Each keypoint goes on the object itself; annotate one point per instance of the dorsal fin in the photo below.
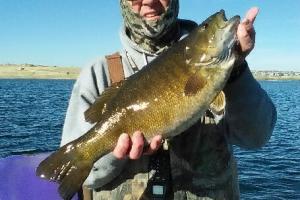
(116, 73)
(94, 112)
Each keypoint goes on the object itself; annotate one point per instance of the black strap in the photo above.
(160, 182)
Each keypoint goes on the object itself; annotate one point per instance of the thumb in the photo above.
(251, 14)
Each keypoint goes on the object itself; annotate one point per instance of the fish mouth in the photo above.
(226, 30)
(232, 22)
(222, 39)
(227, 39)
(228, 35)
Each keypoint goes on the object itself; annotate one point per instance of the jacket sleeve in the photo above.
(89, 85)
(250, 114)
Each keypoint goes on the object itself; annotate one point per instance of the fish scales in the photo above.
(167, 96)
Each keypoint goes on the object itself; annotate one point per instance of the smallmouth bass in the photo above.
(167, 96)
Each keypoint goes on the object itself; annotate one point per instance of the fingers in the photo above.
(247, 23)
(246, 37)
(134, 147)
(246, 32)
(246, 40)
(154, 145)
(123, 146)
(242, 31)
(129, 147)
(137, 145)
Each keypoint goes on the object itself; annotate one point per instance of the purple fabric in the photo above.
(19, 182)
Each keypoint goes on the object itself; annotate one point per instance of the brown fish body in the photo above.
(167, 97)
(166, 108)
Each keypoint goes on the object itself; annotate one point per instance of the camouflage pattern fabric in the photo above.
(202, 168)
(153, 36)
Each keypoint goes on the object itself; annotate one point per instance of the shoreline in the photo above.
(28, 71)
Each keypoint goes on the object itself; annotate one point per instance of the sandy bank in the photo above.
(28, 71)
(38, 72)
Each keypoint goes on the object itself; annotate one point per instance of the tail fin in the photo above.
(67, 167)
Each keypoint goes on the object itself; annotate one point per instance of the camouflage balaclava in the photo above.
(152, 36)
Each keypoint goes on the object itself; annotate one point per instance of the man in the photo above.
(199, 163)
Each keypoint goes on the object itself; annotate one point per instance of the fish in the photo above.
(167, 96)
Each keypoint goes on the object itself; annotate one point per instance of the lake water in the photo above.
(32, 114)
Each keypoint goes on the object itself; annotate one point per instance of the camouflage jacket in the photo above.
(202, 167)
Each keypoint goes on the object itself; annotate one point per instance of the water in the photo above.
(32, 114)
(273, 172)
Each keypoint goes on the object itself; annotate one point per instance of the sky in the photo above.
(75, 32)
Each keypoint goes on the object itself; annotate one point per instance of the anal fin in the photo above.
(68, 167)
(73, 180)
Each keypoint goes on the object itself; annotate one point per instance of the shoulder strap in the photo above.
(115, 67)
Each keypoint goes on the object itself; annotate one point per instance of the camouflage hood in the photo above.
(153, 36)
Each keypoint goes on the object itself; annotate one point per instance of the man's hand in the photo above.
(133, 147)
(246, 32)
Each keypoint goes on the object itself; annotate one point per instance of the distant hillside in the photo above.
(29, 71)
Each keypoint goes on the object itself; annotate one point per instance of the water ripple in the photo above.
(32, 115)
(273, 172)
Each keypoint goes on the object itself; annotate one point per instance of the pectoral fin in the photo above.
(218, 104)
